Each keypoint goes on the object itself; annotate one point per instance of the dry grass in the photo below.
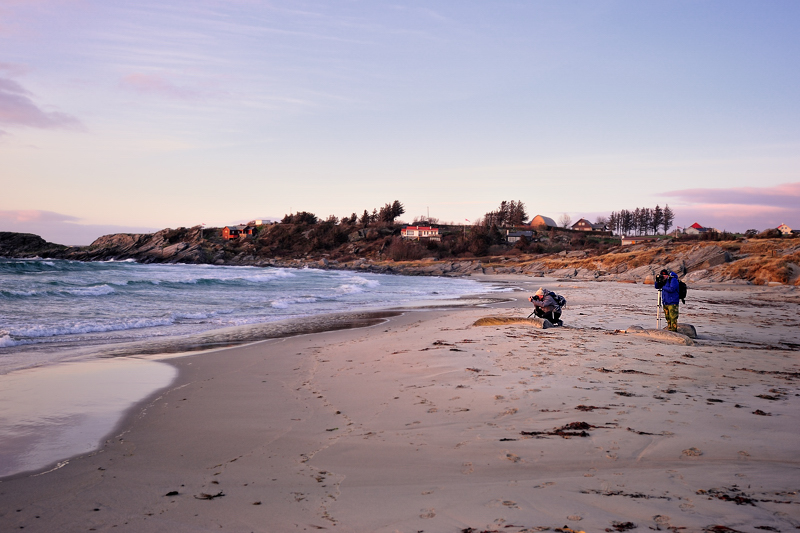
(761, 270)
(765, 246)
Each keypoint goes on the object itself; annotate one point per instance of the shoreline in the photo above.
(415, 424)
(78, 420)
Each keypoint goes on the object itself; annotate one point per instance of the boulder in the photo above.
(660, 335)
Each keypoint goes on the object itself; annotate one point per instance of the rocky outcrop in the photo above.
(27, 245)
(757, 261)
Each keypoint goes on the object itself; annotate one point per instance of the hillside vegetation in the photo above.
(377, 246)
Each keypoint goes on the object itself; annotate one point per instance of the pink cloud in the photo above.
(33, 215)
(13, 69)
(785, 195)
(154, 84)
(17, 108)
(60, 228)
(738, 208)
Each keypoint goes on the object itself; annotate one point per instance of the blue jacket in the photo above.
(670, 291)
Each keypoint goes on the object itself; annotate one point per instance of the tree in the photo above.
(511, 213)
(669, 216)
(658, 219)
(364, 218)
(565, 220)
(627, 221)
(397, 209)
(517, 214)
(303, 217)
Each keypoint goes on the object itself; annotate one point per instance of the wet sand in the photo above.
(428, 423)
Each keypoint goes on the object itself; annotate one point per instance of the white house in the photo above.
(420, 232)
(786, 230)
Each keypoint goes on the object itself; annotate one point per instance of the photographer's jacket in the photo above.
(548, 303)
(670, 289)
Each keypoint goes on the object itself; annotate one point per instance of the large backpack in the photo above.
(682, 289)
(560, 300)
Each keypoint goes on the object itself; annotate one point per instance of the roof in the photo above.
(540, 220)
(696, 226)
(420, 228)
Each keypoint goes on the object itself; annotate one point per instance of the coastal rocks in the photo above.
(564, 273)
(699, 258)
(26, 245)
(688, 330)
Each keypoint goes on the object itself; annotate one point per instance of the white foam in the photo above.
(6, 341)
(54, 331)
(98, 290)
(284, 303)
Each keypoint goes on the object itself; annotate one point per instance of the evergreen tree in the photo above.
(669, 216)
(397, 209)
(658, 219)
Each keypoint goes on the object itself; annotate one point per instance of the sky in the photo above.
(135, 115)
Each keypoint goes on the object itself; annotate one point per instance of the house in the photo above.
(786, 230)
(585, 225)
(540, 221)
(235, 232)
(421, 232)
(628, 239)
(696, 229)
(514, 236)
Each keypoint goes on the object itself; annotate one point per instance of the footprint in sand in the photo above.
(513, 457)
(427, 513)
(466, 468)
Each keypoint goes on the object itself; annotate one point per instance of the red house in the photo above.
(235, 232)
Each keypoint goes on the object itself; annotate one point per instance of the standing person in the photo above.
(546, 306)
(667, 282)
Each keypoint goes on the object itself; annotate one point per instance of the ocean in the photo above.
(80, 342)
(53, 310)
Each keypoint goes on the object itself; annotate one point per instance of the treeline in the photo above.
(388, 213)
(511, 213)
(641, 221)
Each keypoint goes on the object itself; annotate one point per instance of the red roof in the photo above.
(696, 226)
(419, 228)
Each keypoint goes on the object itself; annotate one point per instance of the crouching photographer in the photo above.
(548, 305)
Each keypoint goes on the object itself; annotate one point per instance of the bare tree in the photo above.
(565, 220)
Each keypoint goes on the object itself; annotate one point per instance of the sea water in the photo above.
(64, 324)
(54, 310)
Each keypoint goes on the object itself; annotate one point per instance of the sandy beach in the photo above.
(426, 422)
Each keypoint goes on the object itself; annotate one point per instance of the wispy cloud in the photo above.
(154, 84)
(23, 216)
(59, 227)
(739, 208)
(18, 108)
(786, 195)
